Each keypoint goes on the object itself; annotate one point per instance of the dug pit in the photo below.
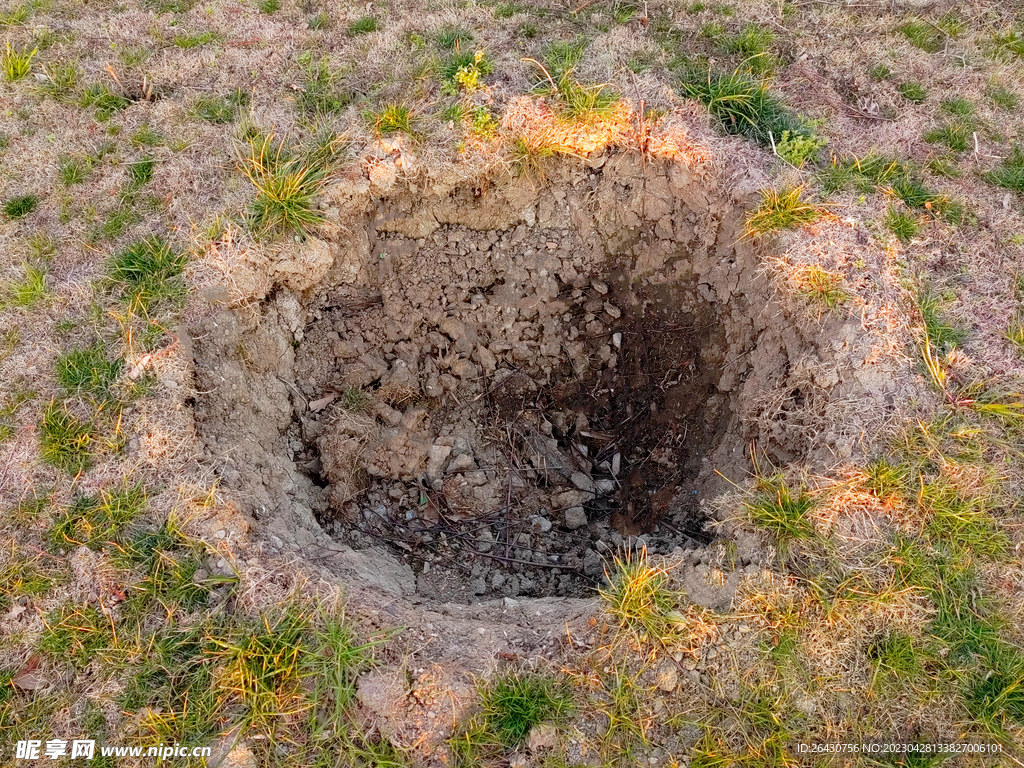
(485, 388)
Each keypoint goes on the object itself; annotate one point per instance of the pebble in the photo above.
(668, 677)
(575, 518)
(583, 482)
(540, 524)
(593, 565)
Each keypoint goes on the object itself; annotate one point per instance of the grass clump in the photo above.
(901, 224)
(391, 118)
(1004, 99)
(89, 371)
(60, 81)
(956, 135)
(797, 149)
(94, 521)
(638, 596)
(19, 207)
(943, 335)
(288, 181)
(140, 173)
(363, 26)
(784, 514)
(781, 209)
(995, 697)
(753, 42)
(105, 101)
(896, 661)
(28, 291)
(320, 94)
(1010, 173)
(65, 441)
(148, 272)
(74, 170)
(76, 633)
(912, 91)
(453, 38)
(220, 109)
(572, 99)
(16, 62)
(745, 107)
(885, 479)
(924, 36)
(821, 287)
(196, 40)
(512, 705)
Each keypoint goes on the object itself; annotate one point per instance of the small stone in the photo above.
(479, 586)
(593, 565)
(462, 462)
(583, 482)
(540, 524)
(600, 287)
(436, 460)
(690, 664)
(575, 517)
(543, 736)
(612, 310)
(28, 681)
(668, 677)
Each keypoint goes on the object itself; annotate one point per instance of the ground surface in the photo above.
(257, 263)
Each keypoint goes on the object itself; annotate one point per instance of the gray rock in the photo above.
(593, 565)
(575, 517)
(583, 482)
(540, 524)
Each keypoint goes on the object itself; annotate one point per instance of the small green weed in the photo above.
(140, 173)
(94, 521)
(776, 509)
(463, 70)
(753, 42)
(780, 209)
(514, 704)
(1015, 333)
(1010, 173)
(16, 62)
(363, 26)
(268, 6)
(27, 292)
(19, 207)
(65, 441)
(17, 15)
(912, 91)
(957, 106)
(896, 661)
(391, 118)
(744, 106)
(196, 40)
(797, 149)
(638, 596)
(146, 273)
(89, 371)
(995, 697)
(1009, 44)
(956, 136)
(923, 35)
(220, 109)
(901, 224)
(22, 575)
(942, 334)
(821, 287)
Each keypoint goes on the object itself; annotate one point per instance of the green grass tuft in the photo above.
(638, 596)
(924, 36)
(363, 26)
(901, 224)
(957, 136)
(780, 511)
(1010, 173)
(16, 62)
(220, 109)
(1004, 99)
(514, 704)
(912, 91)
(886, 479)
(391, 118)
(27, 292)
(89, 370)
(148, 272)
(196, 40)
(287, 185)
(942, 334)
(65, 441)
(18, 207)
(819, 286)
(744, 107)
(780, 209)
(94, 521)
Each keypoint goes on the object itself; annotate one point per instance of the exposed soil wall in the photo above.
(483, 385)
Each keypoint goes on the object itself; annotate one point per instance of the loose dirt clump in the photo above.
(498, 382)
